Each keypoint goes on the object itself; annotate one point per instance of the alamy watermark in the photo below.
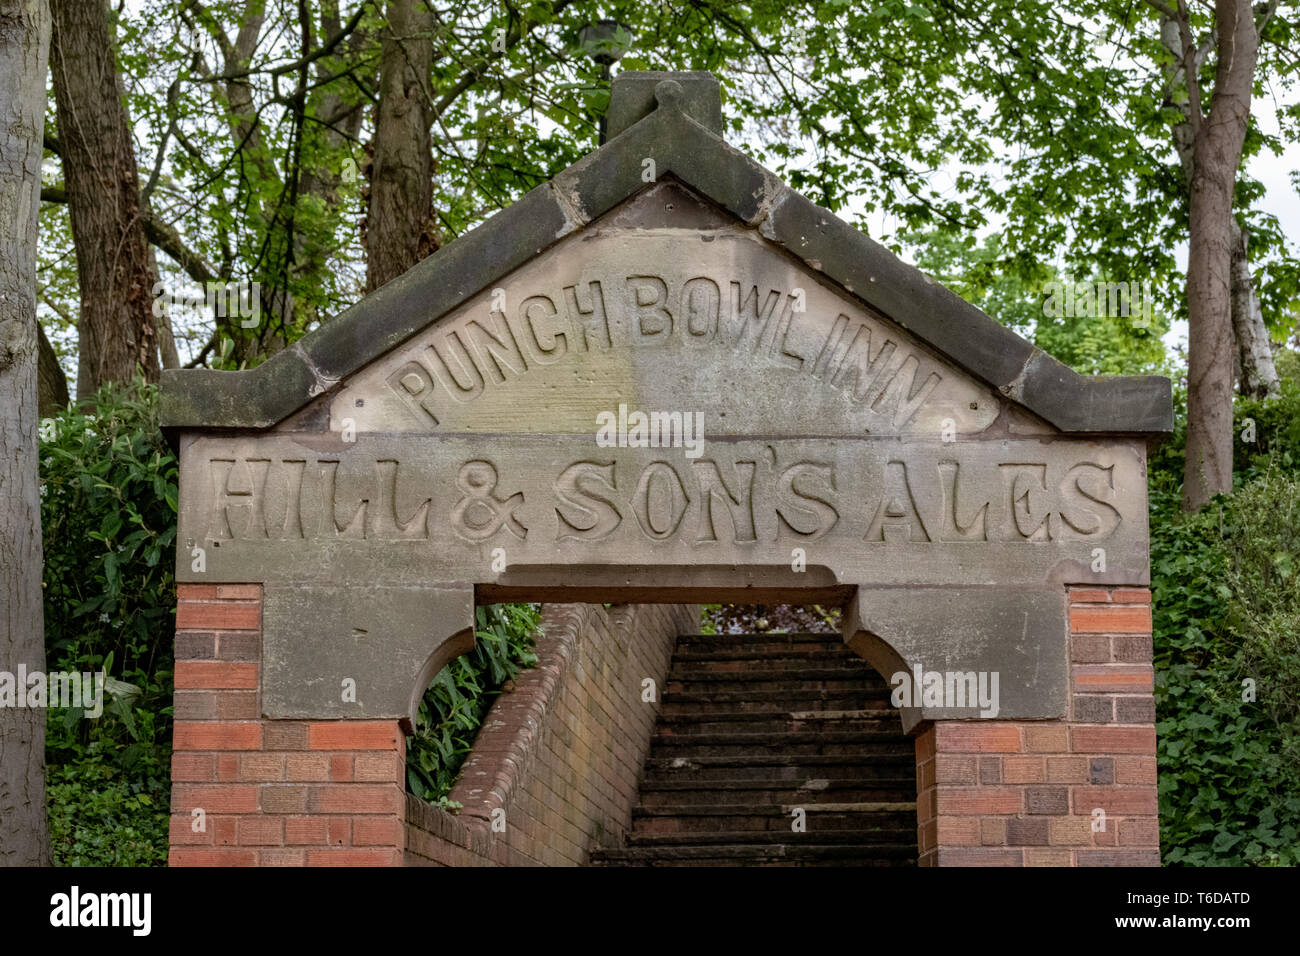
(638, 429)
(1127, 300)
(132, 911)
(228, 300)
(948, 689)
(58, 689)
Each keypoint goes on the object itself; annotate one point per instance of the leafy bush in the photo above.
(1226, 609)
(460, 695)
(1262, 534)
(1226, 795)
(98, 817)
(108, 513)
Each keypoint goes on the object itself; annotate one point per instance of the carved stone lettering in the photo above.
(768, 344)
(480, 514)
(889, 509)
(586, 512)
(807, 511)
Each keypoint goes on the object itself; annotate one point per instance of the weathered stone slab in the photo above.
(360, 650)
(633, 98)
(1010, 643)
(408, 510)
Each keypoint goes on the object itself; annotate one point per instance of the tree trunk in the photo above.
(1253, 361)
(1257, 375)
(116, 329)
(398, 224)
(24, 48)
(1218, 140)
(51, 383)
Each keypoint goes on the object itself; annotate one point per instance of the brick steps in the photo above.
(774, 794)
(787, 675)
(827, 652)
(826, 744)
(753, 727)
(688, 641)
(781, 837)
(841, 682)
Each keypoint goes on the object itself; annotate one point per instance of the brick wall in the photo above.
(560, 754)
(271, 792)
(1005, 793)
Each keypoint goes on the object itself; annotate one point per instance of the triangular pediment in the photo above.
(666, 305)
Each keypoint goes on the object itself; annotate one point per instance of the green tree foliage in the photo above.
(1092, 344)
(1053, 126)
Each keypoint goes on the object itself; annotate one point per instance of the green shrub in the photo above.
(1229, 793)
(108, 513)
(1262, 538)
(98, 817)
(1226, 609)
(460, 695)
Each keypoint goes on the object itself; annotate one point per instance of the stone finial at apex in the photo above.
(637, 93)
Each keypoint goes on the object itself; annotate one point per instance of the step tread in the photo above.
(751, 851)
(762, 722)
(750, 809)
(756, 695)
(813, 761)
(792, 675)
(708, 761)
(783, 837)
(704, 716)
(775, 738)
(797, 636)
(791, 652)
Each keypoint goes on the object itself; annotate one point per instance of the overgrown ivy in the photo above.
(1226, 605)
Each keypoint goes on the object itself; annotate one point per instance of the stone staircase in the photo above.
(754, 726)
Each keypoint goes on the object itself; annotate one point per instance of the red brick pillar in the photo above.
(1076, 792)
(270, 792)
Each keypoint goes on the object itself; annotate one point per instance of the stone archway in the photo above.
(660, 376)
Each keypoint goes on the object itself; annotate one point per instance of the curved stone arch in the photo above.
(461, 642)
